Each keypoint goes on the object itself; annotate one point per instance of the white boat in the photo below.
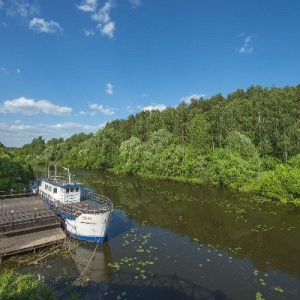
(86, 215)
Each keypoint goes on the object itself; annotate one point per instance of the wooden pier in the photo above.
(26, 224)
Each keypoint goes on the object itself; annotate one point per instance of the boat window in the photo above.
(67, 190)
(77, 189)
(72, 189)
(55, 190)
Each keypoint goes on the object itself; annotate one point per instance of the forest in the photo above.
(248, 140)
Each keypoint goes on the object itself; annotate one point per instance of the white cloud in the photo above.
(188, 99)
(89, 32)
(88, 5)
(107, 29)
(73, 126)
(103, 13)
(102, 17)
(135, 3)
(160, 107)
(129, 109)
(31, 107)
(18, 71)
(3, 70)
(40, 25)
(1, 4)
(84, 113)
(105, 25)
(102, 109)
(17, 134)
(109, 89)
(22, 8)
(247, 46)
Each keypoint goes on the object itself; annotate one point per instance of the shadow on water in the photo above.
(119, 225)
(158, 287)
(98, 281)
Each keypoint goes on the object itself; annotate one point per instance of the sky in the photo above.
(72, 66)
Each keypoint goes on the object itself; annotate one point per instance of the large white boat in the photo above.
(86, 215)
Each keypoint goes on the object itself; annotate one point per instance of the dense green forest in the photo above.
(248, 141)
(15, 174)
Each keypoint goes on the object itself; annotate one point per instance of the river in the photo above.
(170, 240)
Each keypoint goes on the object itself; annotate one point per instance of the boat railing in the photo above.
(101, 200)
(73, 211)
(60, 180)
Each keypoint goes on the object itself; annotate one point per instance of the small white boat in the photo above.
(86, 215)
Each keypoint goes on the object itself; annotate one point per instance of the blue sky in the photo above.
(71, 66)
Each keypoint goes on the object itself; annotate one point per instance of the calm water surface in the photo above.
(181, 241)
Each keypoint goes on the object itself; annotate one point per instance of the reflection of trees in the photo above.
(159, 287)
(216, 217)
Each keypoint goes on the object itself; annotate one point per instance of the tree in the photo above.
(199, 133)
(131, 155)
(242, 145)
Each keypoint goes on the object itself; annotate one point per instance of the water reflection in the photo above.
(268, 234)
(91, 259)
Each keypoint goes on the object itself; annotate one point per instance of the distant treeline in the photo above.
(249, 140)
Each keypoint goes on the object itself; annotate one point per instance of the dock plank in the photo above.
(26, 224)
(27, 242)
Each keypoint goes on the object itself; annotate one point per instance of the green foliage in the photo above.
(229, 141)
(295, 161)
(229, 169)
(23, 287)
(199, 133)
(130, 155)
(269, 163)
(242, 145)
(14, 174)
(283, 183)
(270, 186)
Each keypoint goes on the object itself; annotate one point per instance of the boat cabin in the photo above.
(65, 193)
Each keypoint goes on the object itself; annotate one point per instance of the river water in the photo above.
(171, 240)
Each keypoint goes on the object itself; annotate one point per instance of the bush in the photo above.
(283, 183)
(229, 169)
(14, 286)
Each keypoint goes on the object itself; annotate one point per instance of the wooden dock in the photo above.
(26, 224)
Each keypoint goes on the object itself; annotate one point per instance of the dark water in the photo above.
(181, 241)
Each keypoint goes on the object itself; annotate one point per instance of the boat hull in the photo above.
(89, 227)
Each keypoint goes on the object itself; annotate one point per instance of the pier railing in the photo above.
(12, 218)
(15, 194)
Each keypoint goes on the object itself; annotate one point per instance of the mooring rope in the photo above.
(87, 266)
